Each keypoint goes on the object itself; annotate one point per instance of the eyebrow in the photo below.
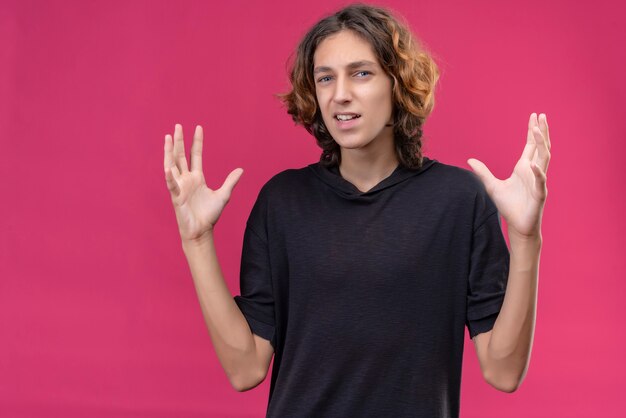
(350, 66)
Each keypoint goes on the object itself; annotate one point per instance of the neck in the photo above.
(366, 169)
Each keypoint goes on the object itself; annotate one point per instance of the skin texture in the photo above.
(504, 352)
(367, 149)
(367, 157)
(245, 357)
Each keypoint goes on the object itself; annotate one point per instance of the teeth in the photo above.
(347, 117)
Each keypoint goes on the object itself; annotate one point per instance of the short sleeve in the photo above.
(256, 301)
(489, 270)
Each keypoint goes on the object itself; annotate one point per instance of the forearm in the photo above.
(229, 331)
(511, 339)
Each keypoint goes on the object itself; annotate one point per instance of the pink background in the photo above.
(98, 312)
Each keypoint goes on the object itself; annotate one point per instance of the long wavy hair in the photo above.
(402, 57)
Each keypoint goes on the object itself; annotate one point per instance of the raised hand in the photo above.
(520, 198)
(197, 207)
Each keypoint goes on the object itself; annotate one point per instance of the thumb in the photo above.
(481, 170)
(231, 180)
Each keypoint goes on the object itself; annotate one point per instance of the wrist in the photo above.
(198, 242)
(525, 245)
(533, 238)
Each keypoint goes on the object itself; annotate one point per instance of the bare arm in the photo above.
(245, 357)
(504, 352)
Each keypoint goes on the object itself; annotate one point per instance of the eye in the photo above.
(363, 72)
(322, 79)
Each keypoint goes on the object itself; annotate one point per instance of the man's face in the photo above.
(350, 83)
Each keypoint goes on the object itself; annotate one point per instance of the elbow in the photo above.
(246, 383)
(509, 386)
(242, 386)
(507, 383)
(506, 373)
(238, 386)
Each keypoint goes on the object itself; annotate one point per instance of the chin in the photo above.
(351, 144)
(354, 143)
(354, 146)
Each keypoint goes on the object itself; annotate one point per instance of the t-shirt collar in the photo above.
(332, 177)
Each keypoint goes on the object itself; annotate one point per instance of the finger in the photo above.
(177, 176)
(179, 149)
(543, 124)
(530, 147)
(196, 150)
(231, 180)
(543, 154)
(172, 185)
(168, 163)
(482, 172)
(540, 177)
(167, 152)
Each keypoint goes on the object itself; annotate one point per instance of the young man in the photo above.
(360, 272)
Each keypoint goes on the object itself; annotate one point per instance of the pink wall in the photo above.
(98, 313)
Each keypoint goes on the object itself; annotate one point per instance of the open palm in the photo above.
(520, 198)
(197, 207)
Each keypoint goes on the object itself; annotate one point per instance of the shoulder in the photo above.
(287, 177)
(286, 180)
(466, 186)
(271, 196)
(456, 184)
(455, 178)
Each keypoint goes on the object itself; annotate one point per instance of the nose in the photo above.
(343, 92)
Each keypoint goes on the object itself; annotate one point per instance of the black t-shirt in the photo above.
(365, 296)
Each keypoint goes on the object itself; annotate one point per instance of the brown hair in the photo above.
(413, 71)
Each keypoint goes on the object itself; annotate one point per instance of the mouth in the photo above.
(344, 117)
(345, 121)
